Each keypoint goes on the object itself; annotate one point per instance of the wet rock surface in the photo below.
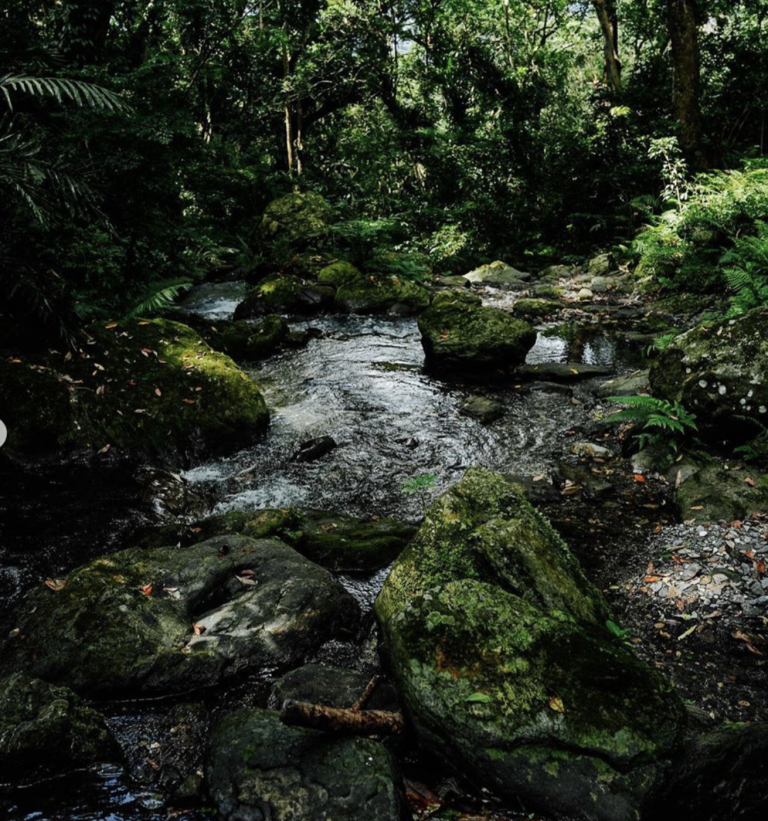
(169, 620)
(258, 768)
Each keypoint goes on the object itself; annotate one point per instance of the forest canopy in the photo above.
(140, 140)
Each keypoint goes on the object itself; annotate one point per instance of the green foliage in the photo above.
(421, 486)
(745, 266)
(756, 450)
(664, 426)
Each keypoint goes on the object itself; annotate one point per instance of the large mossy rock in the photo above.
(45, 729)
(498, 275)
(530, 703)
(722, 774)
(243, 341)
(284, 295)
(333, 540)
(137, 386)
(504, 663)
(719, 372)
(340, 273)
(485, 529)
(382, 294)
(258, 768)
(708, 493)
(294, 222)
(459, 334)
(167, 620)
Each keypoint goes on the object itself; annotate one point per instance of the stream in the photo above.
(361, 382)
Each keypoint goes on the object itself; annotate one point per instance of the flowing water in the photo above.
(361, 382)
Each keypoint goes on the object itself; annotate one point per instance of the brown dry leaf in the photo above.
(748, 481)
(247, 572)
(639, 477)
(652, 579)
(143, 322)
(198, 629)
(739, 635)
(760, 566)
(111, 325)
(147, 589)
(105, 449)
(56, 584)
(698, 507)
(158, 392)
(188, 401)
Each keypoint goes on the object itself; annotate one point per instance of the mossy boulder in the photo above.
(277, 294)
(713, 494)
(485, 529)
(382, 294)
(294, 223)
(168, 620)
(719, 372)
(259, 768)
(601, 265)
(536, 308)
(333, 540)
(459, 334)
(243, 341)
(498, 274)
(531, 704)
(46, 729)
(340, 273)
(136, 386)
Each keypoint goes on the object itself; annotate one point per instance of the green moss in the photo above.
(381, 294)
(148, 385)
(339, 273)
(536, 307)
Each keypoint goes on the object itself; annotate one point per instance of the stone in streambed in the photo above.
(562, 371)
(45, 729)
(285, 295)
(259, 768)
(150, 387)
(536, 308)
(498, 275)
(169, 620)
(485, 529)
(628, 384)
(243, 341)
(336, 541)
(459, 334)
(382, 295)
(482, 408)
(314, 449)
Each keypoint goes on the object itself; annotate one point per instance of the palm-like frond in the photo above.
(160, 296)
(80, 92)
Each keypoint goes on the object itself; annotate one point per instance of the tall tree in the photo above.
(609, 24)
(686, 64)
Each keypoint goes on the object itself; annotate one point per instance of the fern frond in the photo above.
(81, 93)
(161, 296)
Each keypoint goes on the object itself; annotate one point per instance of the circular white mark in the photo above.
(721, 390)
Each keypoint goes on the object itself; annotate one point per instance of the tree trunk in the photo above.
(609, 23)
(684, 35)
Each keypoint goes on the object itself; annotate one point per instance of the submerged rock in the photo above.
(482, 408)
(141, 386)
(498, 646)
(258, 768)
(168, 620)
(45, 729)
(458, 333)
(314, 449)
(719, 372)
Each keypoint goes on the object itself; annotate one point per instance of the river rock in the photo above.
(713, 494)
(333, 540)
(536, 308)
(482, 408)
(459, 334)
(591, 450)
(382, 295)
(485, 529)
(601, 265)
(562, 371)
(244, 341)
(158, 621)
(531, 704)
(332, 687)
(498, 275)
(719, 373)
(628, 384)
(314, 449)
(339, 273)
(139, 386)
(720, 774)
(49, 729)
(602, 284)
(259, 768)
(285, 295)
(554, 273)
(584, 295)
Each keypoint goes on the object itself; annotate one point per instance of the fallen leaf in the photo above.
(639, 477)
(147, 589)
(105, 449)
(244, 580)
(56, 584)
(556, 704)
(189, 401)
(158, 392)
(748, 481)
(199, 629)
(111, 325)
